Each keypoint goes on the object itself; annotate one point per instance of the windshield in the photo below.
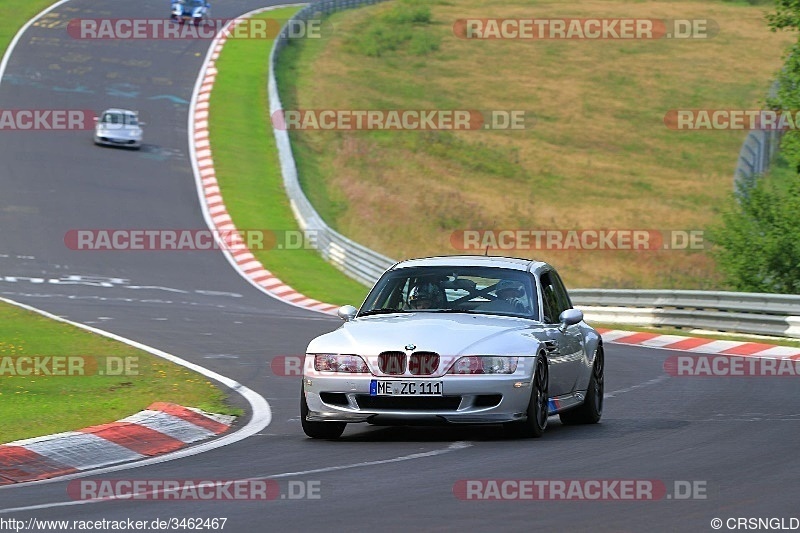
(119, 119)
(495, 291)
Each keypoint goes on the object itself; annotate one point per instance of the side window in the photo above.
(551, 308)
(562, 297)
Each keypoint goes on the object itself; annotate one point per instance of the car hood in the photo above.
(445, 334)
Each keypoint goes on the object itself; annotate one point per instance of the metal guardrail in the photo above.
(757, 152)
(355, 260)
(742, 312)
(765, 314)
(755, 157)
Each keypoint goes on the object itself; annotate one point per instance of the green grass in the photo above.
(598, 156)
(242, 71)
(15, 13)
(247, 168)
(781, 173)
(39, 405)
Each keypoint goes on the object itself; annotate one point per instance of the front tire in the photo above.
(318, 430)
(538, 408)
(591, 410)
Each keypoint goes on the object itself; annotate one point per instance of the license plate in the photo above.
(405, 388)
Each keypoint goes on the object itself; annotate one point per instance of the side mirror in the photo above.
(347, 312)
(569, 317)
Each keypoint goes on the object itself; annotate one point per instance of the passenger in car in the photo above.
(508, 293)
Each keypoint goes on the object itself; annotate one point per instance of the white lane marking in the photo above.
(218, 293)
(653, 381)
(460, 445)
(156, 288)
(114, 283)
(753, 417)
(261, 418)
(18, 36)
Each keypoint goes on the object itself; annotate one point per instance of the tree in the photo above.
(758, 242)
(787, 17)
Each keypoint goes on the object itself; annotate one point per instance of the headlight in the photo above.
(330, 362)
(475, 364)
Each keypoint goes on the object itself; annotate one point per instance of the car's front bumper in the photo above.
(466, 399)
(110, 140)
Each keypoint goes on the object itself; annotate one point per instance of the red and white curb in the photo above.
(213, 205)
(160, 429)
(699, 345)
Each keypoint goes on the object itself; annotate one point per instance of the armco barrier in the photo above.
(758, 150)
(766, 314)
(355, 260)
(757, 313)
(755, 156)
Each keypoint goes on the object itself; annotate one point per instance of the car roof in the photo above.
(121, 111)
(513, 263)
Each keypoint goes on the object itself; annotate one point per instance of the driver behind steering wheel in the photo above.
(426, 296)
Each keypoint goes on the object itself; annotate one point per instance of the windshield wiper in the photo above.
(446, 310)
(383, 311)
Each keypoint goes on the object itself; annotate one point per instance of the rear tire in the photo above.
(318, 430)
(536, 423)
(591, 410)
